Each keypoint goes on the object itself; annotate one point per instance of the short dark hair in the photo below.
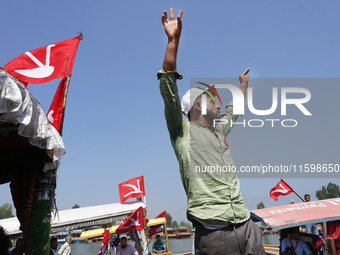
(307, 195)
(158, 236)
(53, 238)
(293, 229)
(123, 238)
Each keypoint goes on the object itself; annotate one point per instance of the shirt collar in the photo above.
(200, 124)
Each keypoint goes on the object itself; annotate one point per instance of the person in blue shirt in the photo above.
(294, 243)
(158, 246)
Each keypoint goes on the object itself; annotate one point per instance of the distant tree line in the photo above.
(331, 191)
(6, 211)
(174, 224)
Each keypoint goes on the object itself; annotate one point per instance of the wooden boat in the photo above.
(325, 212)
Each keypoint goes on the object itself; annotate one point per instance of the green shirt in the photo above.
(212, 196)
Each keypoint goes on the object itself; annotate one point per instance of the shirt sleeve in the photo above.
(134, 251)
(284, 245)
(172, 102)
(228, 118)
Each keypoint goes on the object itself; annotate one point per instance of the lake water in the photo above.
(176, 245)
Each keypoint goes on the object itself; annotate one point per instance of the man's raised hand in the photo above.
(244, 77)
(173, 27)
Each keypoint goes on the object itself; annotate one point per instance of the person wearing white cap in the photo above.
(215, 204)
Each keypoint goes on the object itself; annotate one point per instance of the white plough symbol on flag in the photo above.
(50, 117)
(42, 71)
(134, 222)
(135, 189)
(283, 190)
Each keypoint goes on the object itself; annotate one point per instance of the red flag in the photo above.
(46, 63)
(55, 113)
(158, 229)
(162, 215)
(281, 189)
(103, 248)
(292, 202)
(135, 221)
(131, 188)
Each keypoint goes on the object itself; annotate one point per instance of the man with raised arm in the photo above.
(215, 204)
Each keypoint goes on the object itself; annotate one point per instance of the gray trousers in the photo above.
(236, 239)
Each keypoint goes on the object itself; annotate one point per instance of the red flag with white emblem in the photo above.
(281, 189)
(158, 229)
(55, 113)
(131, 188)
(103, 248)
(135, 221)
(46, 63)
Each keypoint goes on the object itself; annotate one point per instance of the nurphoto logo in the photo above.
(238, 104)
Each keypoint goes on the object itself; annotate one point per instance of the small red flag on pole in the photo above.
(155, 230)
(103, 248)
(135, 221)
(131, 188)
(281, 189)
(55, 113)
(162, 215)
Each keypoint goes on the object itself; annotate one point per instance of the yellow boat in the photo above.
(152, 223)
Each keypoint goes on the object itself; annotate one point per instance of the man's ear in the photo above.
(198, 105)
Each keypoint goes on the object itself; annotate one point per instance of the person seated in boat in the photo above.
(158, 246)
(294, 244)
(125, 248)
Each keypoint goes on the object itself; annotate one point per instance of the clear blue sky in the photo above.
(114, 127)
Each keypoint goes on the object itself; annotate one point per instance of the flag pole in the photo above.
(65, 97)
(299, 196)
(64, 105)
(145, 224)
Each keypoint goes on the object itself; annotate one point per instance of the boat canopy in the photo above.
(21, 113)
(286, 216)
(156, 222)
(99, 232)
(67, 220)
